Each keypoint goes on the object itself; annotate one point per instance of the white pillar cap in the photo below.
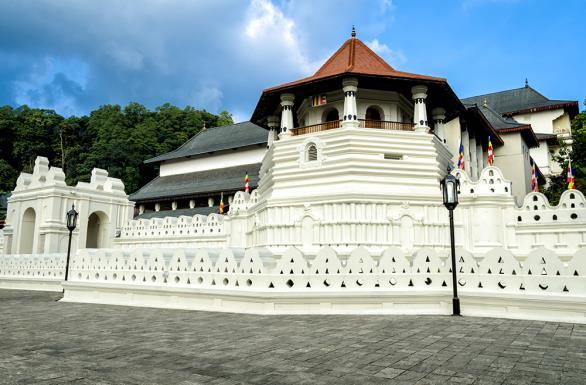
(350, 84)
(287, 99)
(273, 121)
(419, 92)
(438, 113)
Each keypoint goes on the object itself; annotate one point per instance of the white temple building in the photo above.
(345, 214)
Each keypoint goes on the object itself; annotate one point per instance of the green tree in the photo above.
(113, 138)
(577, 153)
(225, 119)
(8, 176)
(33, 135)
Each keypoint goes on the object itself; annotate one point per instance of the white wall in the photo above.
(212, 162)
(542, 122)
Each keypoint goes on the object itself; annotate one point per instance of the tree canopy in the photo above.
(117, 139)
(577, 153)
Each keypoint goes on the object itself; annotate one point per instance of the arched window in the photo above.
(331, 115)
(311, 152)
(373, 113)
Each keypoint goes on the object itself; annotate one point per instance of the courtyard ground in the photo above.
(48, 342)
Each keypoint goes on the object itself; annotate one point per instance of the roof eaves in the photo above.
(548, 107)
(526, 129)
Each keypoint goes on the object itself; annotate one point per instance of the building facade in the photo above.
(344, 214)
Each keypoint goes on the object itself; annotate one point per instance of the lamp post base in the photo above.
(455, 306)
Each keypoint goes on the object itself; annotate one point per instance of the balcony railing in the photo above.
(364, 123)
(386, 125)
(316, 128)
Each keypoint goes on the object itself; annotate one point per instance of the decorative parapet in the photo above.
(490, 183)
(42, 176)
(45, 176)
(498, 272)
(537, 223)
(243, 201)
(196, 231)
(33, 266)
(100, 181)
(536, 209)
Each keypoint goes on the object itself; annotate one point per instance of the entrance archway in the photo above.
(98, 230)
(27, 231)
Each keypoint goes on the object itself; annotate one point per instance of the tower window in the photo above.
(331, 115)
(311, 153)
(373, 113)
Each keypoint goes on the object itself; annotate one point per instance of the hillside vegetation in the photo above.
(117, 139)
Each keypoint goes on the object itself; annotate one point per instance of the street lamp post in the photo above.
(450, 186)
(71, 224)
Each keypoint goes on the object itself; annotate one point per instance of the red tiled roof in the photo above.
(354, 57)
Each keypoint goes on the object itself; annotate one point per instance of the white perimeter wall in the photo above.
(212, 162)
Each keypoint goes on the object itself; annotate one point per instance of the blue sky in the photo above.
(73, 55)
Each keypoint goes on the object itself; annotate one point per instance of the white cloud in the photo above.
(208, 97)
(267, 28)
(391, 56)
(52, 83)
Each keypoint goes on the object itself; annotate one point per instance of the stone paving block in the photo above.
(49, 342)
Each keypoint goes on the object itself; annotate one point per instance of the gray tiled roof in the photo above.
(198, 183)
(497, 121)
(178, 213)
(218, 139)
(506, 124)
(517, 99)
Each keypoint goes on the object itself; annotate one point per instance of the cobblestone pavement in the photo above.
(48, 342)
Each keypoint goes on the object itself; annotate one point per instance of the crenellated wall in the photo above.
(32, 271)
(486, 217)
(257, 280)
(196, 231)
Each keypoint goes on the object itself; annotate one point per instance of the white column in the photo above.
(273, 123)
(286, 114)
(473, 157)
(419, 94)
(480, 158)
(439, 114)
(350, 118)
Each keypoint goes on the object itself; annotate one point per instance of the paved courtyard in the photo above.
(48, 342)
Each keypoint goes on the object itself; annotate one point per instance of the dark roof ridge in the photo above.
(503, 91)
(206, 130)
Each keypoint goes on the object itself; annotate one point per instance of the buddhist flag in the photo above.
(490, 152)
(534, 184)
(461, 156)
(246, 186)
(570, 179)
(222, 203)
(318, 100)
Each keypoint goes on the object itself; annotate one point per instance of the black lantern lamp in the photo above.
(450, 186)
(71, 224)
